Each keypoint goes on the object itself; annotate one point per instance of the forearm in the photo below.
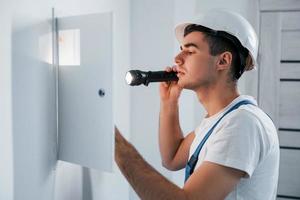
(170, 134)
(145, 180)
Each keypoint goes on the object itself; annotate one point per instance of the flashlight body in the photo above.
(137, 77)
(161, 76)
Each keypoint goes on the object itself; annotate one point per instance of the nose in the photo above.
(179, 59)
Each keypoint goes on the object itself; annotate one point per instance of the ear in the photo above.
(224, 60)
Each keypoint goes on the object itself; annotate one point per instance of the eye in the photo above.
(187, 52)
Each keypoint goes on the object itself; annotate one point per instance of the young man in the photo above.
(234, 152)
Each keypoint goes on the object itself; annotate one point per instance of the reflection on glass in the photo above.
(69, 47)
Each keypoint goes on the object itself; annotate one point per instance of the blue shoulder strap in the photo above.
(190, 166)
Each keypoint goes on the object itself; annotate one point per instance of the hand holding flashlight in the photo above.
(170, 91)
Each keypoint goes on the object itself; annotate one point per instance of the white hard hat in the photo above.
(228, 22)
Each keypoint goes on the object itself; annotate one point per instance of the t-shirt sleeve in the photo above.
(236, 142)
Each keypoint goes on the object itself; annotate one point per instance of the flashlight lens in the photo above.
(128, 78)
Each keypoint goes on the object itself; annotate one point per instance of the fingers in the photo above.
(118, 136)
(117, 130)
(174, 68)
(166, 84)
(170, 69)
(169, 83)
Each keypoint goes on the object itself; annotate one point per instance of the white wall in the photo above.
(33, 101)
(6, 140)
(151, 49)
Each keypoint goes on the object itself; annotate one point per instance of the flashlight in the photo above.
(137, 77)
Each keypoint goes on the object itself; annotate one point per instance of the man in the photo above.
(234, 152)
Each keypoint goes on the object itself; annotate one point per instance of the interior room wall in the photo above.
(6, 139)
(151, 49)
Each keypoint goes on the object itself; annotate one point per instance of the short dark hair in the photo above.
(218, 44)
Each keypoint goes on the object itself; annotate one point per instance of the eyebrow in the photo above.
(189, 45)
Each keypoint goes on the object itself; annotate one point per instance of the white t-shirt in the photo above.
(245, 139)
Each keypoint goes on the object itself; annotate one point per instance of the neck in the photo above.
(216, 97)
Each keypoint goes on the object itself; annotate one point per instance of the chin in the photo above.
(184, 84)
